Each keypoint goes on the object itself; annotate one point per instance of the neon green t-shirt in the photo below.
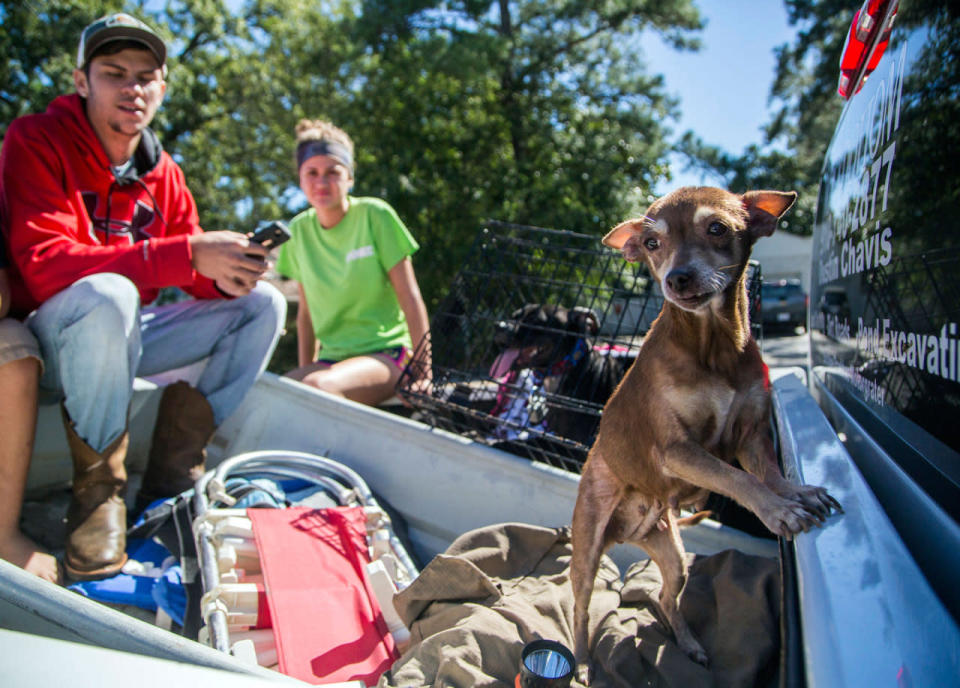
(343, 271)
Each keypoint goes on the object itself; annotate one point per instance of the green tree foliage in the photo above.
(804, 92)
(38, 50)
(535, 111)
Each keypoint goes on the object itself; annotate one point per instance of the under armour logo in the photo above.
(133, 229)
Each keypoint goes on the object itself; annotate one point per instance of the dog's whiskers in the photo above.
(717, 282)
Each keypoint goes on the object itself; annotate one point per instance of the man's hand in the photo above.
(229, 259)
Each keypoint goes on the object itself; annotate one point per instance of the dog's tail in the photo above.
(693, 519)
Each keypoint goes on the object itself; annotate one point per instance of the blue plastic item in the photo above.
(169, 594)
(125, 588)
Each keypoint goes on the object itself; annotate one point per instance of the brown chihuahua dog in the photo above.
(695, 402)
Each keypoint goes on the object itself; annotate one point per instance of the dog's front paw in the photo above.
(817, 500)
(787, 517)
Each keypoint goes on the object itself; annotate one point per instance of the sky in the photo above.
(723, 88)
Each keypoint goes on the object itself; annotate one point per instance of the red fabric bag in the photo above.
(327, 623)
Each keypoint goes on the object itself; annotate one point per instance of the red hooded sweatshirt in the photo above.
(66, 215)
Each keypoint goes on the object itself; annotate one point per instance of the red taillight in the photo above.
(866, 19)
(871, 25)
(854, 46)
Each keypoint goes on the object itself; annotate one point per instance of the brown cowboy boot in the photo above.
(97, 516)
(177, 455)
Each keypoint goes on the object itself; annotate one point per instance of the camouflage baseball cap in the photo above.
(116, 27)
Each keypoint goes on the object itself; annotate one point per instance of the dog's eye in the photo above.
(651, 244)
(717, 229)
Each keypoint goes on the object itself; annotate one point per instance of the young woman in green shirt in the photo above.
(361, 313)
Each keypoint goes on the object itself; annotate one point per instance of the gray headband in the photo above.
(308, 149)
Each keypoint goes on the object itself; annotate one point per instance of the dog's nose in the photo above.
(678, 280)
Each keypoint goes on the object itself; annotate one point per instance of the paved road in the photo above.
(786, 348)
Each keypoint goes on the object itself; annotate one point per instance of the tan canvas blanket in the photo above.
(473, 608)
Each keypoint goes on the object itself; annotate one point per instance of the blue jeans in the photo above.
(95, 338)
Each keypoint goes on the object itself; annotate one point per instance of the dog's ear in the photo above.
(765, 208)
(618, 236)
(626, 237)
(583, 320)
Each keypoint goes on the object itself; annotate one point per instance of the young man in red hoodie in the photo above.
(98, 218)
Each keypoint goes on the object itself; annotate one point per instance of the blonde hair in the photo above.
(320, 130)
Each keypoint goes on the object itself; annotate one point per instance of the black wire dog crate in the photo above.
(536, 331)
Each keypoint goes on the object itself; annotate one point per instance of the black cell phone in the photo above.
(271, 235)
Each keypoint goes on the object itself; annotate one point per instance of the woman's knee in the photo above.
(18, 346)
(20, 373)
(368, 379)
(324, 381)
